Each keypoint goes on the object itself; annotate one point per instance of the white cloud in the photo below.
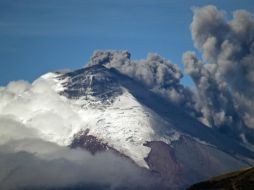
(28, 161)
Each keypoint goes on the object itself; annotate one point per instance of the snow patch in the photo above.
(123, 123)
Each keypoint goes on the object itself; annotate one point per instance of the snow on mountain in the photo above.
(118, 120)
(126, 116)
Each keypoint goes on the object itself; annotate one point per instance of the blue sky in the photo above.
(37, 36)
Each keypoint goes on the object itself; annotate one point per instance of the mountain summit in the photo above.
(103, 108)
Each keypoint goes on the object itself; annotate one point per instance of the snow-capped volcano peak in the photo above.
(100, 108)
(110, 111)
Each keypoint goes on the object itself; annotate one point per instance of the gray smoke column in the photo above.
(225, 77)
(155, 72)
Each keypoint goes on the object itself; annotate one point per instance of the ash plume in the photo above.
(225, 76)
(155, 72)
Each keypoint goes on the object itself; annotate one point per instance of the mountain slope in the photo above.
(112, 113)
(100, 109)
(155, 134)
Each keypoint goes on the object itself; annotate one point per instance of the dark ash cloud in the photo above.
(225, 77)
(223, 99)
(155, 72)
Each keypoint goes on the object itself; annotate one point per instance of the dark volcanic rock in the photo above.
(89, 143)
(185, 161)
(93, 145)
(94, 81)
(162, 160)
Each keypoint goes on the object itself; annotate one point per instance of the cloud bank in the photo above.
(29, 157)
(28, 162)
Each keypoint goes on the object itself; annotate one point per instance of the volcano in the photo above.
(113, 112)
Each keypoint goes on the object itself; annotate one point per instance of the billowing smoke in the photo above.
(155, 72)
(225, 77)
(223, 99)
